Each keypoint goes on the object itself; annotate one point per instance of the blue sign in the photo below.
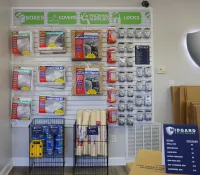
(181, 149)
(92, 130)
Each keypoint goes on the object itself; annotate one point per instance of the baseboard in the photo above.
(113, 161)
(7, 168)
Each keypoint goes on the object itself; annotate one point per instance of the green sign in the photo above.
(30, 17)
(94, 18)
(126, 18)
(62, 18)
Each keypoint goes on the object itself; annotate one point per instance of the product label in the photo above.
(80, 79)
(92, 130)
(94, 17)
(79, 45)
(62, 18)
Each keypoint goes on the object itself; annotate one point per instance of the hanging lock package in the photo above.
(121, 32)
(112, 75)
(52, 105)
(138, 33)
(52, 42)
(22, 78)
(87, 79)
(148, 115)
(130, 47)
(112, 114)
(86, 45)
(21, 108)
(147, 33)
(130, 32)
(130, 61)
(112, 35)
(122, 91)
(121, 119)
(121, 106)
(140, 116)
(51, 76)
(112, 95)
(121, 47)
(130, 120)
(122, 62)
(147, 72)
(111, 55)
(22, 43)
(121, 76)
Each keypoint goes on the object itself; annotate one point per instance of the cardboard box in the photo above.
(148, 163)
(175, 96)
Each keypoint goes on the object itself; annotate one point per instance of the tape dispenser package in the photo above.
(52, 76)
(21, 108)
(52, 105)
(22, 78)
(22, 43)
(52, 42)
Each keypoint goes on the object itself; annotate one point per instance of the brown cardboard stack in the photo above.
(185, 104)
(148, 163)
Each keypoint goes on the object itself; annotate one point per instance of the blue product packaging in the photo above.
(59, 151)
(49, 152)
(59, 144)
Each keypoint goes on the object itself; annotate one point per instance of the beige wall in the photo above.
(5, 129)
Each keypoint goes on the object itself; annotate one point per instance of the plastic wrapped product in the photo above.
(139, 72)
(111, 75)
(147, 33)
(148, 86)
(22, 78)
(121, 106)
(129, 47)
(112, 114)
(121, 120)
(130, 91)
(148, 115)
(130, 61)
(121, 76)
(121, 91)
(87, 79)
(51, 42)
(147, 71)
(121, 32)
(121, 47)
(111, 55)
(138, 33)
(138, 101)
(122, 62)
(130, 106)
(21, 108)
(140, 116)
(130, 120)
(148, 101)
(51, 76)
(52, 105)
(22, 43)
(112, 95)
(112, 35)
(139, 86)
(86, 45)
(130, 32)
(129, 76)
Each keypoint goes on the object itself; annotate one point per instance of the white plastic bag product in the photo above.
(52, 105)
(22, 78)
(51, 76)
(22, 43)
(21, 108)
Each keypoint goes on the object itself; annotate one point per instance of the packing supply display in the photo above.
(22, 78)
(52, 76)
(91, 133)
(21, 108)
(22, 43)
(86, 45)
(52, 42)
(52, 105)
(87, 79)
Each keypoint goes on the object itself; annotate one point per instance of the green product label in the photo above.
(30, 17)
(126, 18)
(62, 18)
(94, 18)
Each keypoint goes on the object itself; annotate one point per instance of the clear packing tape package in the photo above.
(93, 145)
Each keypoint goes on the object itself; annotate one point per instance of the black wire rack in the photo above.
(91, 150)
(47, 145)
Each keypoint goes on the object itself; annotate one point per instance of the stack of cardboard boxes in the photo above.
(186, 104)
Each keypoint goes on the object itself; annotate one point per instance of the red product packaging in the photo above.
(111, 55)
(112, 114)
(42, 39)
(112, 36)
(112, 95)
(112, 75)
(80, 81)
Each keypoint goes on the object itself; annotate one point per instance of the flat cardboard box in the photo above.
(192, 93)
(148, 163)
(175, 96)
(182, 105)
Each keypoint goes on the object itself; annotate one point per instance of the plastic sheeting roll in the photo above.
(93, 120)
(103, 116)
(79, 139)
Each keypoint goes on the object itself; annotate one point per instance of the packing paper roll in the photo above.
(85, 123)
(103, 115)
(93, 137)
(79, 133)
(98, 138)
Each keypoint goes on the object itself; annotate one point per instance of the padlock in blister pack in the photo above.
(121, 76)
(121, 106)
(112, 114)
(121, 120)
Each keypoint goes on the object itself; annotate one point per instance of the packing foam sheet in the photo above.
(22, 78)
(103, 133)
(79, 131)
(85, 123)
(22, 43)
(52, 105)
(21, 108)
(51, 76)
